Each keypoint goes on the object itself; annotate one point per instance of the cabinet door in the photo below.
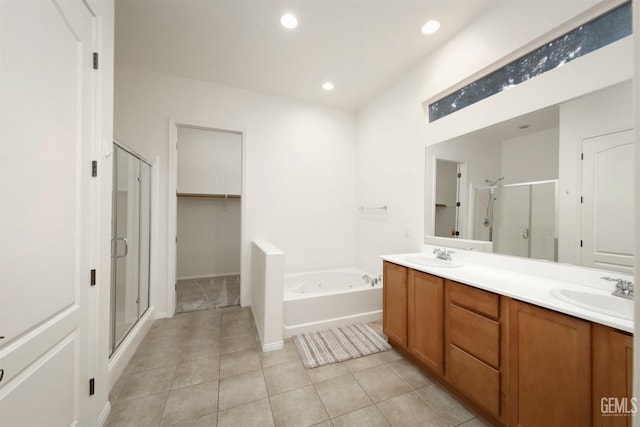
(394, 303)
(612, 377)
(426, 319)
(550, 368)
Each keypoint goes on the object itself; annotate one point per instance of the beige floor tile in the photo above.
(238, 343)
(369, 416)
(327, 372)
(239, 362)
(407, 410)
(342, 395)
(389, 356)
(231, 314)
(158, 358)
(237, 327)
(191, 402)
(444, 403)
(252, 414)
(202, 350)
(475, 422)
(285, 377)
(381, 383)
(141, 412)
(299, 407)
(445, 421)
(288, 353)
(409, 374)
(209, 420)
(327, 423)
(143, 383)
(196, 372)
(243, 388)
(362, 363)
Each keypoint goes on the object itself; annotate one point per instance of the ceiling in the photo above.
(361, 46)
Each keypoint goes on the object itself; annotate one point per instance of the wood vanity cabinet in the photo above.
(550, 368)
(516, 363)
(425, 319)
(394, 303)
(612, 375)
(475, 346)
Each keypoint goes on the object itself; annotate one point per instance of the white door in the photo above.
(608, 181)
(47, 112)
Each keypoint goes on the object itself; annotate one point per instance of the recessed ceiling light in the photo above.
(431, 27)
(327, 86)
(289, 21)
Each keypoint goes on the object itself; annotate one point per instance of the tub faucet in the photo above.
(372, 280)
(624, 288)
(443, 254)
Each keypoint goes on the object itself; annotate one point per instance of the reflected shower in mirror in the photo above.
(540, 185)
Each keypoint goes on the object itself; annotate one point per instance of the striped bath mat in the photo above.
(338, 344)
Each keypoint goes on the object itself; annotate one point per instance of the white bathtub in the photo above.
(325, 299)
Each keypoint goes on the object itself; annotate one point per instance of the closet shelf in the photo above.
(209, 196)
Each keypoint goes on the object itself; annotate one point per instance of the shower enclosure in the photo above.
(520, 219)
(130, 241)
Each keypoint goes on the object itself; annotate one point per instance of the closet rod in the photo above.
(209, 196)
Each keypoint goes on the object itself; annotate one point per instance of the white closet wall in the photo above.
(209, 163)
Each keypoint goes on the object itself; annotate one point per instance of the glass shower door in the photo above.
(129, 243)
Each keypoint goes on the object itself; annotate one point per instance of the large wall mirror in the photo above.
(554, 184)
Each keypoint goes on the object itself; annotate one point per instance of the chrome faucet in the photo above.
(624, 288)
(443, 254)
(372, 280)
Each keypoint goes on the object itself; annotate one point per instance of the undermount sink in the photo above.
(431, 261)
(597, 300)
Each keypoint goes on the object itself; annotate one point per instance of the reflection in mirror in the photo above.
(447, 194)
(554, 184)
(520, 219)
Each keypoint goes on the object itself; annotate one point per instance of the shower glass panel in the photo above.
(521, 221)
(145, 235)
(130, 234)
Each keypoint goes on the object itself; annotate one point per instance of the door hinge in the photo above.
(459, 175)
(580, 243)
(95, 60)
(458, 204)
(93, 277)
(92, 386)
(581, 199)
(94, 168)
(581, 156)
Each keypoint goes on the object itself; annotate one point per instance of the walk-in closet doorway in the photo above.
(208, 218)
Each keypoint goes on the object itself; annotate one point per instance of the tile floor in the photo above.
(204, 369)
(206, 293)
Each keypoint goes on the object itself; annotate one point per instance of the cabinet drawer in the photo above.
(475, 334)
(475, 379)
(474, 299)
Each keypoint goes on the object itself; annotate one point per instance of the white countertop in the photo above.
(525, 280)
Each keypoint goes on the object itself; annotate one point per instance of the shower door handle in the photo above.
(126, 247)
(525, 233)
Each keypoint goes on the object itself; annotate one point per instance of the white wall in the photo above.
(595, 114)
(300, 179)
(209, 162)
(393, 129)
(532, 157)
(208, 237)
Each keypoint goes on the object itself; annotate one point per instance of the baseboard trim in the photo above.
(102, 419)
(204, 276)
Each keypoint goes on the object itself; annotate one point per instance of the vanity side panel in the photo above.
(394, 303)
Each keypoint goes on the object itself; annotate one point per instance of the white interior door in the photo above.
(47, 108)
(608, 191)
